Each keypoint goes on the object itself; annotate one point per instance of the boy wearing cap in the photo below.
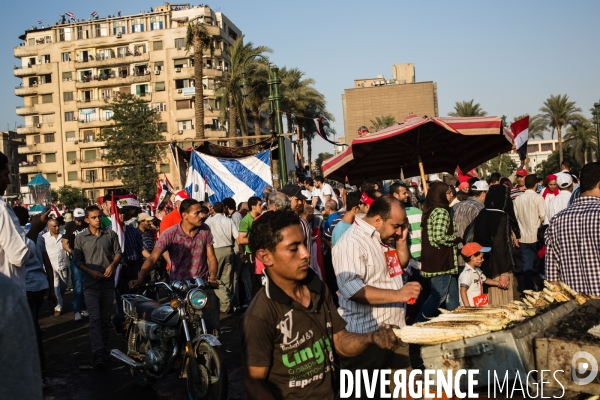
(470, 281)
(564, 182)
(520, 186)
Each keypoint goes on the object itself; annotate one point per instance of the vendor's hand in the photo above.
(134, 284)
(410, 290)
(385, 337)
(96, 275)
(52, 299)
(109, 271)
(38, 222)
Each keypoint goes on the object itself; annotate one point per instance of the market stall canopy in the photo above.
(439, 144)
(39, 187)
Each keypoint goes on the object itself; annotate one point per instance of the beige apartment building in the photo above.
(70, 70)
(399, 96)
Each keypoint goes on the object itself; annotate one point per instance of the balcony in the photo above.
(213, 133)
(26, 110)
(92, 103)
(37, 69)
(129, 80)
(93, 123)
(32, 148)
(26, 51)
(85, 144)
(188, 73)
(24, 130)
(31, 168)
(98, 61)
(26, 91)
(100, 183)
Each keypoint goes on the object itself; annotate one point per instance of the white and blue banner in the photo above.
(219, 178)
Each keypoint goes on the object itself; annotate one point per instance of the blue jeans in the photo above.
(529, 252)
(443, 287)
(77, 282)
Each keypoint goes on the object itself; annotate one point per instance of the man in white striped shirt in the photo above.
(369, 275)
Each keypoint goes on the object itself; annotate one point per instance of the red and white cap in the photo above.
(181, 195)
(366, 199)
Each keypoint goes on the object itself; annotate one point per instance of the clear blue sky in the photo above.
(507, 55)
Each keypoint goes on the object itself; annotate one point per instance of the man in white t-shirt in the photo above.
(470, 281)
(324, 191)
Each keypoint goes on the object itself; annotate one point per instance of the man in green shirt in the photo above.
(105, 222)
(250, 279)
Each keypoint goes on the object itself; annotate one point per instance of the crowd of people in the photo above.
(321, 272)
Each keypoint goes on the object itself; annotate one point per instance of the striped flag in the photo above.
(169, 186)
(70, 14)
(39, 21)
(94, 14)
(116, 224)
(218, 178)
(321, 131)
(520, 131)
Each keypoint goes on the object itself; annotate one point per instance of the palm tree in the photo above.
(581, 138)
(315, 109)
(229, 85)
(298, 92)
(537, 126)
(467, 109)
(558, 111)
(385, 121)
(198, 39)
(258, 93)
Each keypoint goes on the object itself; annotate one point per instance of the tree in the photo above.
(385, 121)
(315, 109)
(581, 140)
(320, 158)
(72, 197)
(502, 164)
(134, 124)
(557, 112)
(552, 165)
(258, 93)
(298, 93)
(198, 39)
(467, 109)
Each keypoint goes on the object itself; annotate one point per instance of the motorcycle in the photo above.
(172, 337)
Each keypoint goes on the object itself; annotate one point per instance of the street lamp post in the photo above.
(597, 122)
(275, 107)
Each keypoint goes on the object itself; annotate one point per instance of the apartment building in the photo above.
(10, 142)
(70, 70)
(399, 96)
(538, 151)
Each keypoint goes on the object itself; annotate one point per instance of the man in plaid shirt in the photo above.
(573, 238)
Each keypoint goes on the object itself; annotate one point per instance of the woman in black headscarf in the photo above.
(496, 226)
(438, 252)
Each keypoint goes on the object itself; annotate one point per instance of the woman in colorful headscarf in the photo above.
(438, 252)
(551, 188)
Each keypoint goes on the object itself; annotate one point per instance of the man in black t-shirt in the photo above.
(292, 327)
(72, 229)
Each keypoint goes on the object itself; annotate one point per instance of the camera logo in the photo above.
(580, 368)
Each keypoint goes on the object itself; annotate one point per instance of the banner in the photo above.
(217, 178)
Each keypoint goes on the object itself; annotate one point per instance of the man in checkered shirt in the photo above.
(573, 238)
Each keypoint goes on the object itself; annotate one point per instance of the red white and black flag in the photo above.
(40, 21)
(321, 131)
(70, 14)
(520, 130)
(94, 14)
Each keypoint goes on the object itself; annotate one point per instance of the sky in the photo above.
(507, 55)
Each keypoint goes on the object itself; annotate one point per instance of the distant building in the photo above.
(9, 145)
(538, 151)
(70, 69)
(399, 96)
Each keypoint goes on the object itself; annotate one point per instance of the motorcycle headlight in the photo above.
(197, 299)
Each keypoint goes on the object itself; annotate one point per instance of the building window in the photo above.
(111, 174)
(64, 34)
(141, 90)
(67, 76)
(139, 49)
(184, 125)
(137, 25)
(49, 138)
(72, 175)
(64, 57)
(156, 23)
(47, 98)
(90, 175)
(37, 158)
(51, 177)
(182, 104)
(547, 147)
(71, 155)
(24, 179)
(36, 139)
(46, 78)
(70, 136)
(108, 115)
(45, 59)
(46, 118)
(101, 29)
(119, 27)
(157, 45)
(158, 65)
(105, 94)
(532, 148)
(179, 43)
(162, 126)
(89, 155)
(83, 32)
(158, 107)
(89, 136)
(165, 168)
(159, 86)
(68, 96)
(70, 116)
(50, 157)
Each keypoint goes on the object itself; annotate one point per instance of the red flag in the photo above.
(520, 130)
(169, 186)
(116, 223)
(55, 211)
(321, 131)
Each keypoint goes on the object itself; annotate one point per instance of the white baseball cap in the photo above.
(481, 186)
(78, 214)
(564, 180)
(434, 178)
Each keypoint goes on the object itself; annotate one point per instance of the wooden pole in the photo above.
(423, 180)
(177, 167)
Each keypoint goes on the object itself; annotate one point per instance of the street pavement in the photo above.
(68, 355)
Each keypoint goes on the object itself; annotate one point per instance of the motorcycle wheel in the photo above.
(209, 379)
(133, 344)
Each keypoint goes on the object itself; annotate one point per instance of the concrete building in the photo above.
(10, 142)
(399, 96)
(70, 69)
(538, 151)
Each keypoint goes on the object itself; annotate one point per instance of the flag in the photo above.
(55, 211)
(179, 161)
(321, 131)
(94, 14)
(163, 195)
(218, 178)
(520, 130)
(169, 186)
(70, 14)
(39, 21)
(116, 223)
(298, 161)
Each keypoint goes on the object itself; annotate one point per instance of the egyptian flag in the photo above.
(40, 21)
(321, 131)
(94, 14)
(70, 14)
(520, 130)
(168, 184)
(162, 194)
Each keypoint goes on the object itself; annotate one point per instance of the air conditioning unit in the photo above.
(177, 69)
(76, 141)
(119, 35)
(59, 175)
(73, 161)
(157, 72)
(179, 91)
(219, 67)
(147, 72)
(180, 132)
(38, 126)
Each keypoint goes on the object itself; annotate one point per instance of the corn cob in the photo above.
(548, 298)
(552, 287)
(472, 326)
(541, 303)
(580, 299)
(429, 336)
(567, 289)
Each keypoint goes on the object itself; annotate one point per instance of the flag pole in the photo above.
(422, 171)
